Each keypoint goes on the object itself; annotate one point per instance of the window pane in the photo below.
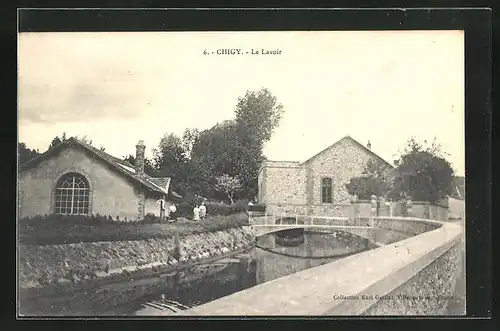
(326, 190)
(72, 195)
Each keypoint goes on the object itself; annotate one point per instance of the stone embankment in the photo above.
(46, 270)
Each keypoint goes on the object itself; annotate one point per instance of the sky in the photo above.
(119, 88)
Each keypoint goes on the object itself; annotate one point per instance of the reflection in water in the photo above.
(274, 260)
(168, 293)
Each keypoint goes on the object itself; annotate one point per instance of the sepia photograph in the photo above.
(242, 173)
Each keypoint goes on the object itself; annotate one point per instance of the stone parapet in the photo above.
(355, 284)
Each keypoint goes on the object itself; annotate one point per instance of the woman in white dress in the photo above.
(203, 211)
(196, 213)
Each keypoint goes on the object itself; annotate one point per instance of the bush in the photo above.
(57, 229)
(258, 207)
(219, 223)
(59, 220)
(225, 210)
(185, 207)
(151, 219)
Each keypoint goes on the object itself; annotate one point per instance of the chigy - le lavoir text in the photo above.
(240, 51)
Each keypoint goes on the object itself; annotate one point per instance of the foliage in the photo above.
(217, 148)
(258, 114)
(84, 140)
(364, 187)
(189, 137)
(423, 173)
(233, 147)
(258, 207)
(58, 229)
(223, 209)
(25, 154)
(56, 141)
(228, 185)
(376, 180)
(171, 159)
(149, 167)
(185, 207)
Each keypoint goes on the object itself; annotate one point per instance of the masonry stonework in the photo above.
(341, 162)
(294, 186)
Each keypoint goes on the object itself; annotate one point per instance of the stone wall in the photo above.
(111, 193)
(284, 185)
(422, 265)
(291, 183)
(361, 208)
(428, 292)
(429, 211)
(411, 227)
(291, 209)
(341, 162)
(424, 210)
(56, 267)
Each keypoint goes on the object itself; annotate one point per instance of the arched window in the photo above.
(72, 195)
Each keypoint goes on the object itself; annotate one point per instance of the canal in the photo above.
(275, 255)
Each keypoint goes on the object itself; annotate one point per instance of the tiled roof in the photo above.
(155, 184)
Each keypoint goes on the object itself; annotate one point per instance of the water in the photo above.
(163, 294)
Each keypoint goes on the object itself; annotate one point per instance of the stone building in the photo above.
(78, 179)
(316, 186)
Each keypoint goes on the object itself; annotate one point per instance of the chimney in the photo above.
(369, 145)
(139, 157)
(396, 163)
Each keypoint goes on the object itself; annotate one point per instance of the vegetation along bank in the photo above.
(59, 254)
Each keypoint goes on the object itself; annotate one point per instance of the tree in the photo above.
(25, 154)
(84, 140)
(423, 173)
(169, 153)
(218, 148)
(232, 147)
(149, 168)
(56, 141)
(228, 185)
(189, 138)
(257, 114)
(171, 160)
(364, 187)
(376, 180)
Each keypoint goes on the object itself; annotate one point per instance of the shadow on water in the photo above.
(276, 255)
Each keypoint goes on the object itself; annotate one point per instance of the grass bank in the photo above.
(63, 268)
(58, 229)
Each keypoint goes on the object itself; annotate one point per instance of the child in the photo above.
(172, 211)
(196, 213)
(203, 211)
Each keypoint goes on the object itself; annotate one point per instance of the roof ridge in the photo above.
(352, 139)
(108, 158)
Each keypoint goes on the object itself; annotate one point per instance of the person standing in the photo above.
(172, 213)
(203, 211)
(161, 202)
(196, 213)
